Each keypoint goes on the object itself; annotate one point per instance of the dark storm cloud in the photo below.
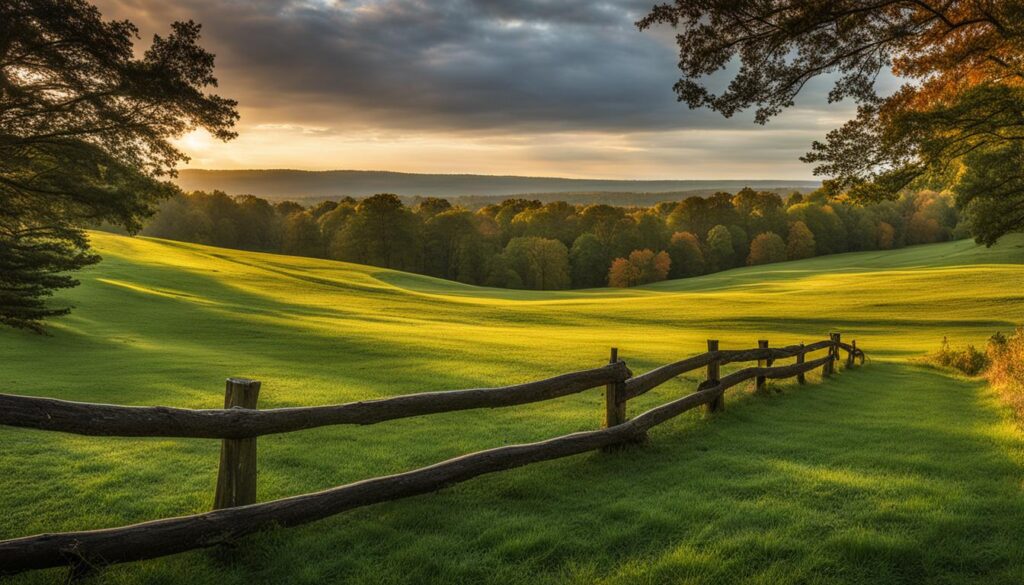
(521, 65)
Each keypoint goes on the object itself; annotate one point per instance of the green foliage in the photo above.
(448, 242)
(740, 244)
(85, 129)
(445, 237)
(686, 254)
(301, 236)
(991, 191)
(956, 121)
(590, 262)
(829, 232)
(720, 254)
(540, 263)
(800, 242)
(381, 232)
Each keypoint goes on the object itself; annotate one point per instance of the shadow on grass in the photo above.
(885, 474)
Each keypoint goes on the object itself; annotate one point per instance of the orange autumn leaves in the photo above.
(642, 267)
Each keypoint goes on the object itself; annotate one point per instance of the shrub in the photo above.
(968, 360)
(1006, 367)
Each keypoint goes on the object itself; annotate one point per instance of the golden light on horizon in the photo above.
(196, 141)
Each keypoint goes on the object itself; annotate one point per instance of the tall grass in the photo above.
(1002, 363)
(1006, 367)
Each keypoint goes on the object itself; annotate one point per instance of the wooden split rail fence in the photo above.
(236, 512)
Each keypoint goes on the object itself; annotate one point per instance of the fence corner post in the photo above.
(853, 354)
(713, 374)
(236, 481)
(761, 363)
(800, 378)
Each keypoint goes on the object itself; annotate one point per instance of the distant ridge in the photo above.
(288, 184)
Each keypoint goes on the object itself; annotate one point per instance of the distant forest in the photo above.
(280, 184)
(528, 244)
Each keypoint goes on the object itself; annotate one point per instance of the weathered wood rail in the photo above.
(239, 423)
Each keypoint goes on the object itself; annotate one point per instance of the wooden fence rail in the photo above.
(158, 538)
(83, 418)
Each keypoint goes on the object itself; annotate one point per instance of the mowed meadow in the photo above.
(893, 472)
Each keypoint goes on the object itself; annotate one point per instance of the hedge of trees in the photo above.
(522, 243)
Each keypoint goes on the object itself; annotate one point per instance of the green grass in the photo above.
(889, 473)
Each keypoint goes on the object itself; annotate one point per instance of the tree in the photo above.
(261, 226)
(740, 244)
(719, 254)
(687, 257)
(922, 229)
(85, 129)
(501, 274)
(474, 252)
(301, 236)
(442, 238)
(589, 261)
(956, 121)
(431, 206)
(650, 231)
(556, 220)
(642, 267)
(829, 231)
(766, 248)
(886, 236)
(800, 242)
(382, 232)
(541, 263)
(623, 274)
(331, 225)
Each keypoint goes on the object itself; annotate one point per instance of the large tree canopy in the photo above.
(956, 121)
(85, 129)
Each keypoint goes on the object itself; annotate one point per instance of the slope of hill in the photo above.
(888, 473)
(284, 184)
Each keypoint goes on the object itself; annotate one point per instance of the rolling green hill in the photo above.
(889, 473)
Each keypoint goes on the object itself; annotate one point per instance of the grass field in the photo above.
(889, 473)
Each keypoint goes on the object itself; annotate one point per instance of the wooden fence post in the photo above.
(800, 378)
(835, 356)
(236, 482)
(714, 372)
(760, 380)
(614, 394)
(853, 354)
(829, 367)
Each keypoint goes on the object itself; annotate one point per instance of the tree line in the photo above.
(526, 244)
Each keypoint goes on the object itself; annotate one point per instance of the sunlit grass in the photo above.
(889, 473)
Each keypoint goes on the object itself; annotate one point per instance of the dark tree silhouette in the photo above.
(957, 121)
(84, 137)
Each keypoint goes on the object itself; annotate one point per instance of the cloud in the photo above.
(484, 69)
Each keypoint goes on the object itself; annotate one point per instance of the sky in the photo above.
(565, 88)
